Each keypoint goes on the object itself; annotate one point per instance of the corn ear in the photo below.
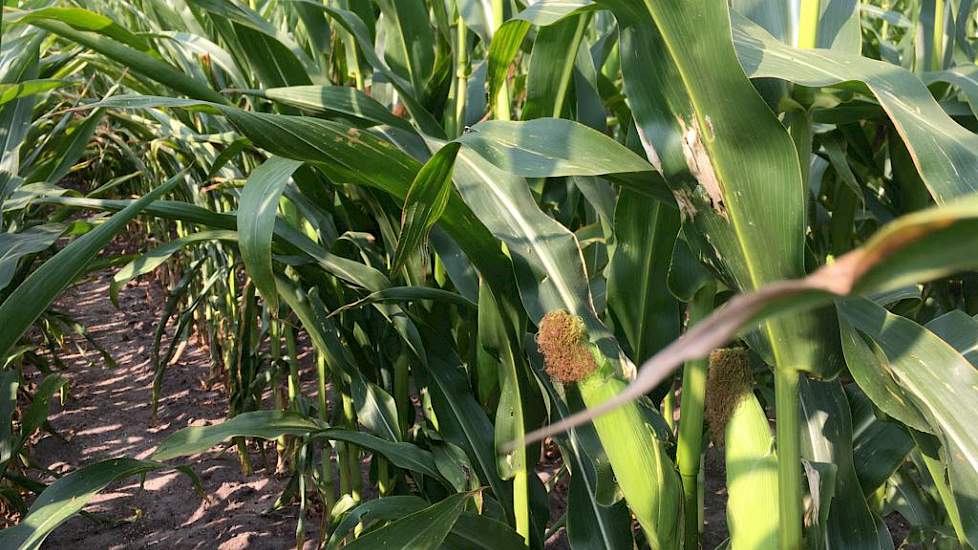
(646, 476)
(753, 516)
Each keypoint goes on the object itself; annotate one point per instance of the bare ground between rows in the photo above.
(108, 415)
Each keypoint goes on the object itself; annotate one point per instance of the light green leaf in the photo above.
(256, 222)
(550, 147)
(10, 92)
(334, 101)
(425, 202)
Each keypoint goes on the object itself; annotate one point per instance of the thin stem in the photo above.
(402, 397)
(501, 109)
(789, 455)
(461, 75)
(808, 24)
(689, 450)
(937, 53)
(788, 434)
(275, 348)
(329, 483)
(291, 350)
(352, 451)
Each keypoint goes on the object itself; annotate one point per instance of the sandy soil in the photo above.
(108, 416)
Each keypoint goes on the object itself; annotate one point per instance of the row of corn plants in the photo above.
(623, 229)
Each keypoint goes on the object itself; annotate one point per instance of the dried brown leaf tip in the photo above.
(563, 342)
(729, 380)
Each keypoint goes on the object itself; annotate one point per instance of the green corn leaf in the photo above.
(16, 115)
(355, 26)
(134, 59)
(9, 382)
(645, 312)
(15, 246)
(351, 271)
(10, 92)
(408, 294)
(29, 300)
(550, 147)
(409, 40)
(509, 37)
(274, 57)
(366, 514)
(375, 409)
(879, 446)
(83, 20)
(70, 150)
(403, 455)
(270, 424)
(334, 101)
(960, 330)
(482, 533)
(964, 77)
(256, 222)
(827, 439)
(423, 530)
(425, 203)
(935, 379)
(462, 421)
(551, 67)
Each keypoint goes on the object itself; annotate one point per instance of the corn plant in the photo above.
(504, 225)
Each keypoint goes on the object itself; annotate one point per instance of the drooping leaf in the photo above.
(945, 153)
(14, 246)
(10, 92)
(335, 101)
(918, 247)
(132, 58)
(270, 424)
